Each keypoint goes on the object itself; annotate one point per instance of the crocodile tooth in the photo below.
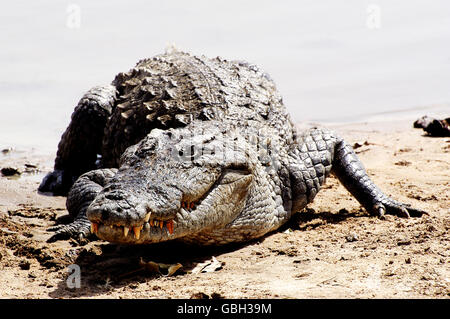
(125, 231)
(152, 222)
(147, 217)
(169, 225)
(94, 227)
(137, 231)
(156, 223)
(161, 224)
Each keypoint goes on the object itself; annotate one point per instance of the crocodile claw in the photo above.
(78, 230)
(396, 208)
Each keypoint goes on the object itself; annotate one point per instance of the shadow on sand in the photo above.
(109, 266)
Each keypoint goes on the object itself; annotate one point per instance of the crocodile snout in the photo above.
(117, 207)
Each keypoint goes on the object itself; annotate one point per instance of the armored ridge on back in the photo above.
(195, 149)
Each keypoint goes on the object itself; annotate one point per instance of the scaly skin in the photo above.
(201, 150)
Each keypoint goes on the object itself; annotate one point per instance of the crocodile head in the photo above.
(174, 184)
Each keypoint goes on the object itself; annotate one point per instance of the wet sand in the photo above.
(333, 249)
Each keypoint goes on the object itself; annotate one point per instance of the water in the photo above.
(332, 60)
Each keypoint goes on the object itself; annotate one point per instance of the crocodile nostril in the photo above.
(105, 214)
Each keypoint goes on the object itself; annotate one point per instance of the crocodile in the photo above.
(196, 149)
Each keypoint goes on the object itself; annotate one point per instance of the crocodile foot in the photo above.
(79, 230)
(393, 207)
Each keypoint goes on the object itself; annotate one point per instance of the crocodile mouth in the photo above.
(154, 226)
(217, 207)
(151, 229)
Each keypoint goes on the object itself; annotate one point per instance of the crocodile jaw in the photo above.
(220, 205)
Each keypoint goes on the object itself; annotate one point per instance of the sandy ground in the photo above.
(333, 249)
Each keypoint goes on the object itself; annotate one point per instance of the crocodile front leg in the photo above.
(82, 140)
(321, 152)
(80, 196)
